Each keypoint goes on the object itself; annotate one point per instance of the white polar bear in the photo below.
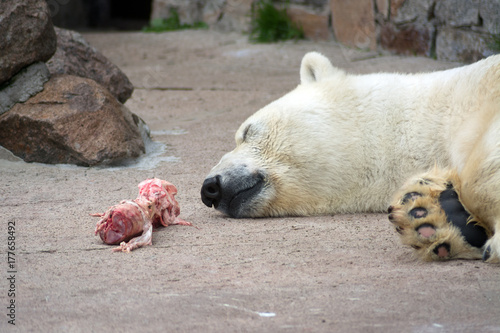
(342, 143)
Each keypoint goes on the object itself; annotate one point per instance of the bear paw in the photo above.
(429, 217)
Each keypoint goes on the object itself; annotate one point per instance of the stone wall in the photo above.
(225, 15)
(235, 15)
(456, 30)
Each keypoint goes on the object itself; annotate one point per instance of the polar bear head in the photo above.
(291, 157)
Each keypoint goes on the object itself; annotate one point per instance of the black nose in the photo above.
(210, 192)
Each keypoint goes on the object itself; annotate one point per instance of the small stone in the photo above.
(25, 84)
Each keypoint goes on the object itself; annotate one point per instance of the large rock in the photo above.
(394, 6)
(412, 11)
(213, 11)
(458, 13)
(383, 8)
(73, 120)
(409, 31)
(75, 56)
(408, 39)
(26, 35)
(354, 23)
(461, 45)
(236, 16)
(314, 24)
(26, 83)
(489, 12)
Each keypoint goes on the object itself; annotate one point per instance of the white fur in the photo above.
(345, 143)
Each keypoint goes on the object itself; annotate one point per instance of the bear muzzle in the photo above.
(234, 195)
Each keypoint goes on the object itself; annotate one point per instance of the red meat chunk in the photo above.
(130, 223)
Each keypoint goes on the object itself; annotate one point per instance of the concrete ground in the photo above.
(342, 273)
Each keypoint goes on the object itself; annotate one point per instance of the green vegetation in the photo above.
(494, 42)
(271, 25)
(172, 23)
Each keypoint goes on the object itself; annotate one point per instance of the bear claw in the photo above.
(487, 253)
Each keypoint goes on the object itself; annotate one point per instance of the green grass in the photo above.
(171, 24)
(270, 24)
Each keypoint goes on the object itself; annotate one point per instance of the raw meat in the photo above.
(154, 206)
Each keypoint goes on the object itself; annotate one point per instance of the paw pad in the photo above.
(426, 230)
(429, 217)
(442, 250)
(410, 196)
(418, 212)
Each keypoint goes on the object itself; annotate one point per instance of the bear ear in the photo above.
(315, 67)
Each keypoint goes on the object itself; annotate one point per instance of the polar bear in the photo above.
(343, 143)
